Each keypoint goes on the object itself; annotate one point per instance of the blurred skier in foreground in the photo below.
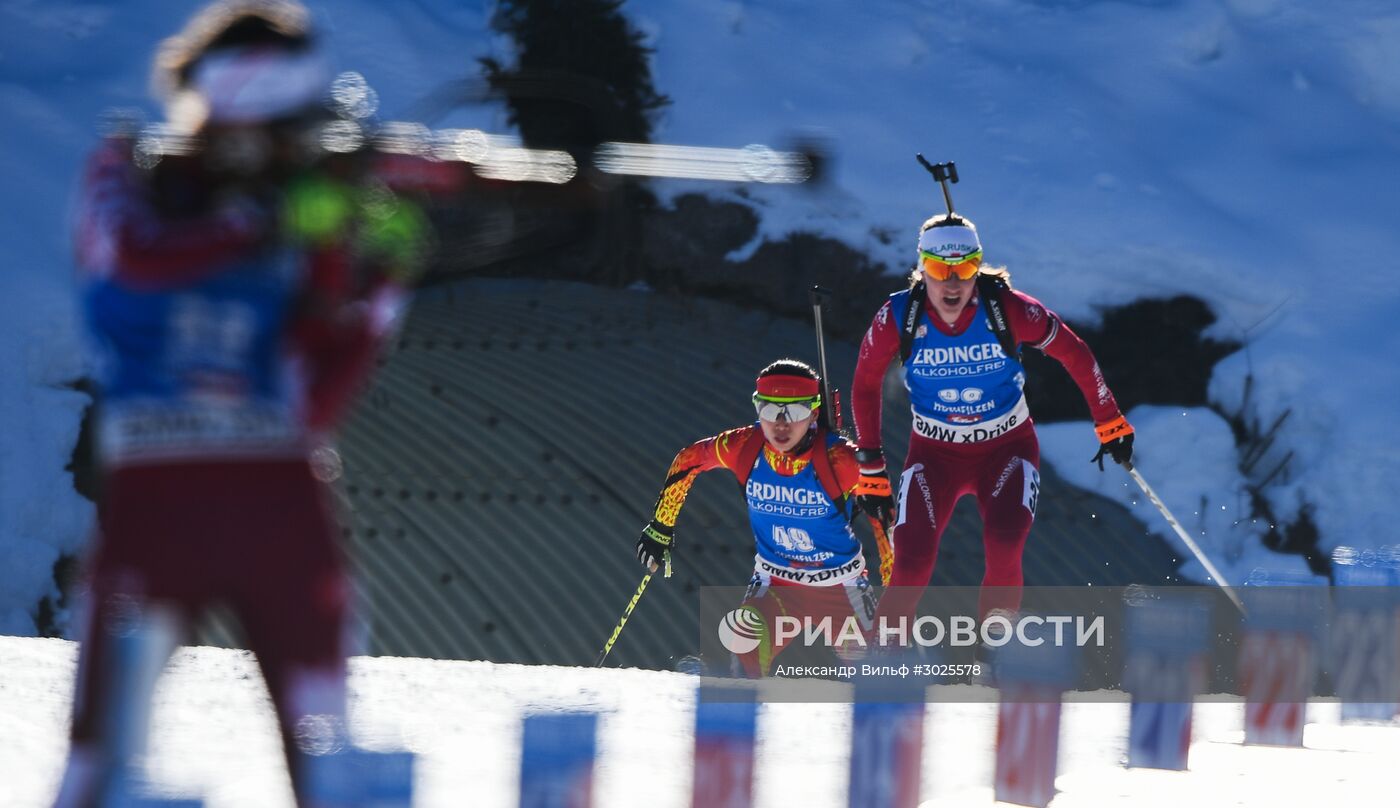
(799, 480)
(238, 275)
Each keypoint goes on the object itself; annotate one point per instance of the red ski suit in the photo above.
(1001, 471)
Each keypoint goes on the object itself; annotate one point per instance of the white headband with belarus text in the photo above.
(254, 85)
(951, 241)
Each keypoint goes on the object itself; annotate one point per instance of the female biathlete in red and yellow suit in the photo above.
(799, 480)
(972, 432)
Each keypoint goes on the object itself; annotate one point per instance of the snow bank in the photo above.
(1188, 457)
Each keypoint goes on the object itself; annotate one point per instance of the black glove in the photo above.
(654, 547)
(1115, 440)
(873, 492)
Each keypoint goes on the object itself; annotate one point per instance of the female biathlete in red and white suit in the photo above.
(237, 309)
(972, 433)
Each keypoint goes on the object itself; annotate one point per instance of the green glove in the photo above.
(395, 235)
(654, 547)
(318, 210)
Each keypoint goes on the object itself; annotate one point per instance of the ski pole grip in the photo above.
(943, 173)
(819, 295)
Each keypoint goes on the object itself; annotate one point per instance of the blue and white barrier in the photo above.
(556, 760)
(356, 778)
(1363, 658)
(725, 722)
(130, 792)
(1032, 680)
(1279, 654)
(887, 742)
(1164, 669)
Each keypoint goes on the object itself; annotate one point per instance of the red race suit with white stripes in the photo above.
(972, 433)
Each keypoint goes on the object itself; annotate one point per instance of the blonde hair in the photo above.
(175, 59)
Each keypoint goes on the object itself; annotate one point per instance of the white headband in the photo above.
(254, 85)
(950, 241)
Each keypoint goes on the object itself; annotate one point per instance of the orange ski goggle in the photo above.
(938, 268)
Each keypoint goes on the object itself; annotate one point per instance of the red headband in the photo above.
(780, 386)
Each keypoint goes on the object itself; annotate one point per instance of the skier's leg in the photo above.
(141, 587)
(852, 600)
(1007, 493)
(293, 601)
(770, 602)
(126, 643)
(928, 490)
(925, 498)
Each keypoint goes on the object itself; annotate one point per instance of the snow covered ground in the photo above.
(1239, 150)
(214, 735)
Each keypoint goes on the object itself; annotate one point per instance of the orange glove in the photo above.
(873, 492)
(1116, 441)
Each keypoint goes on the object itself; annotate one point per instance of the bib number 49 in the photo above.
(794, 539)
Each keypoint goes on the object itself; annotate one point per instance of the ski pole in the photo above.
(631, 604)
(833, 423)
(832, 398)
(1190, 544)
